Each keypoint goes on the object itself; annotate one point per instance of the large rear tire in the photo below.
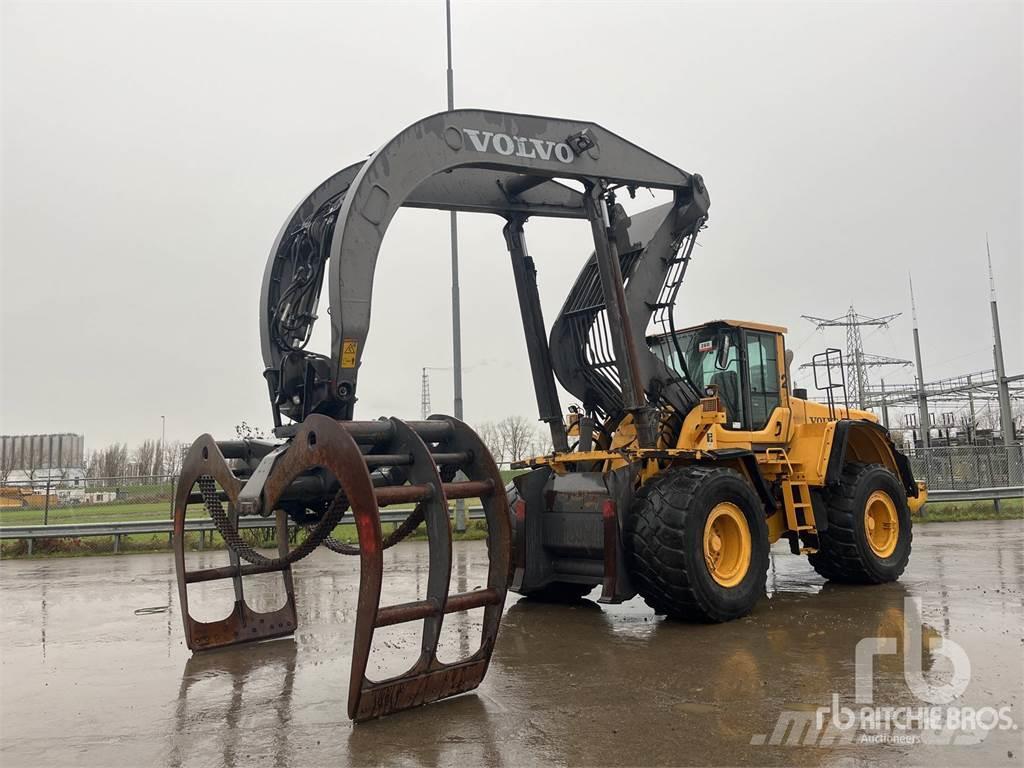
(697, 544)
(869, 530)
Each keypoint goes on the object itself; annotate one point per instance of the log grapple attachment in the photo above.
(334, 468)
(327, 464)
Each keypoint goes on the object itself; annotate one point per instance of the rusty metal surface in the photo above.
(420, 688)
(429, 679)
(407, 494)
(323, 444)
(242, 624)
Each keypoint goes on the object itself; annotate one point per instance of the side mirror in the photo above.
(722, 359)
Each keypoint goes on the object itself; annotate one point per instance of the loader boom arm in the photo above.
(490, 162)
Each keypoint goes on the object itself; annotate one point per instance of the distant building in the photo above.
(40, 459)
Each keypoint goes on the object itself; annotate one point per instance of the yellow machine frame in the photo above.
(793, 449)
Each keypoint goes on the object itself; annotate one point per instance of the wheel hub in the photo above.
(881, 524)
(727, 548)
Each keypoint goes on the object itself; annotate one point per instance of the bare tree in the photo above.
(541, 442)
(145, 457)
(159, 458)
(92, 463)
(174, 456)
(114, 460)
(516, 435)
(491, 436)
(7, 465)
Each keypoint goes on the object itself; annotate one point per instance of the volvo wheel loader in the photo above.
(684, 455)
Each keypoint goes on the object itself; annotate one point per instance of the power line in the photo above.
(857, 361)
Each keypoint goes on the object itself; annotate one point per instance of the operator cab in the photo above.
(740, 360)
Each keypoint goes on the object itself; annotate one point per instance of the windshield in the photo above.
(700, 348)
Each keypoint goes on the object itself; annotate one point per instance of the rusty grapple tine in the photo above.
(323, 442)
(499, 528)
(243, 624)
(430, 679)
(417, 685)
(439, 536)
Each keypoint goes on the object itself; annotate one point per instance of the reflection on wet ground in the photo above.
(86, 680)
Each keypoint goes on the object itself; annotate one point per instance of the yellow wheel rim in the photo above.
(727, 544)
(881, 524)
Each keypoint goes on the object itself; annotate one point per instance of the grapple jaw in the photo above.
(373, 464)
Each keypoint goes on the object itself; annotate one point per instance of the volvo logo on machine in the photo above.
(521, 146)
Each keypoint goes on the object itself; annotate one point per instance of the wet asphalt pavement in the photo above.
(95, 672)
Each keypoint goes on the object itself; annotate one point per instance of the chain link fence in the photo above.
(86, 499)
(104, 499)
(963, 467)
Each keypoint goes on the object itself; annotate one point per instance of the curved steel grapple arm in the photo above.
(473, 160)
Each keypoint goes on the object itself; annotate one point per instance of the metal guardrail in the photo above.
(119, 529)
(127, 528)
(977, 494)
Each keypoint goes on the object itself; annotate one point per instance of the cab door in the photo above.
(766, 404)
(763, 385)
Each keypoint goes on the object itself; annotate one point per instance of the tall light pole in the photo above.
(922, 397)
(1005, 414)
(460, 505)
(160, 450)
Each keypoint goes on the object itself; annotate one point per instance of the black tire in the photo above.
(664, 539)
(561, 592)
(844, 554)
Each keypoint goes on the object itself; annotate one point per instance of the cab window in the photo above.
(701, 351)
(763, 375)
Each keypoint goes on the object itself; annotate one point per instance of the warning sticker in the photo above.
(349, 350)
(706, 346)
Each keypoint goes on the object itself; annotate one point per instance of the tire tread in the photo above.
(656, 535)
(839, 558)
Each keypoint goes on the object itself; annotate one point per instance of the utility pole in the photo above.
(49, 476)
(885, 408)
(158, 460)
(1005, 414)
(460, 504)
(974, 421)
(922, 398)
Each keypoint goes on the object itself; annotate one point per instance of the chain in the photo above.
(318, 534)
(245, 551)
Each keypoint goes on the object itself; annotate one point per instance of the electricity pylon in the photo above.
(857, 361)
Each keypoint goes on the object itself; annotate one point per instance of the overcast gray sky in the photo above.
(151, 152)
